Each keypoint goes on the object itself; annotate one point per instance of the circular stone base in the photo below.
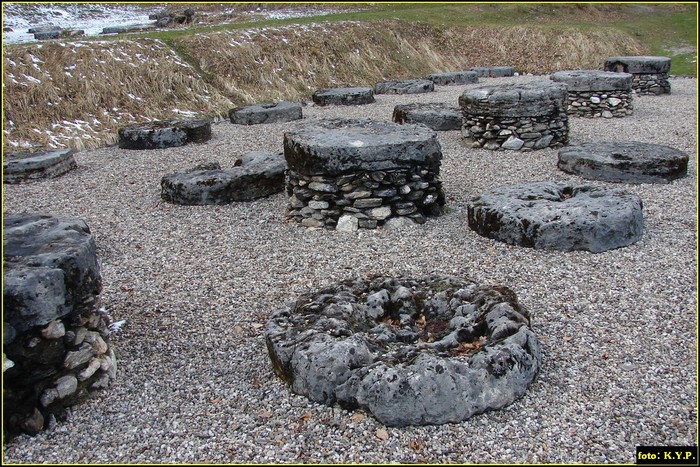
(436, 116)
(454, 77)
(266, 113)
(259, 174)
(627, 162)
(165, 134)
(409, 86)
(412, 352)
(344, 96)
(493, 71)
(25, 167)
(556, 216)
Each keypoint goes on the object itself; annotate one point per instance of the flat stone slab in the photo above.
(422, 351)
(557, 216)
(593, 80)
(50, 269)
(436, 116)
(627, 162)
(533, 98)
(337, 146)
(164, 134)
(256, 174)
(26, 167)
(282, 111)
(638, 64)
(493, 71)
(454, 77)
(408, 86)
(344, 96)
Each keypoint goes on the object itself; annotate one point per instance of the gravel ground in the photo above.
(196, 285)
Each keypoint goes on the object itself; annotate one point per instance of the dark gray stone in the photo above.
(337, 146)
(627, 162)
(593, 80)
(164, 134)
(436, 116)
(344, 96)
(493, 71)
(409, 86)
(50, 269)
(259, 174)
(557, 216)
(638, 64)
(411, 351)
(454, 77)
(25, 167)
(533, 98)
(282, 111)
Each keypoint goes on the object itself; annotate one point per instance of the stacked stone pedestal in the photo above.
(649, 74)
(350, 174)
(593, 93)
(55, 341)
(520, 117)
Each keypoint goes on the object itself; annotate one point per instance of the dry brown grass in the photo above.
(77, 94)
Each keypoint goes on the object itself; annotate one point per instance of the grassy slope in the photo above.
(393, 41)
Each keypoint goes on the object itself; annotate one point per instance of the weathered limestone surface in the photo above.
(649, 73)
(557, 216)
(368, 170)
(54, 339)
(408, 86)
(26, 167)
(493, 71)
(594, 93)
(282, 111)
(164, 134)
(344, 96)
(422, 351)
(454, 77)
(520, 117)
(256, 174)
(627, 162)
(436, 116)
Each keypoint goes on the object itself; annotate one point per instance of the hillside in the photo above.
(77, 93)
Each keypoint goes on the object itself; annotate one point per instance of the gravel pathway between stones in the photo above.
(196, 284)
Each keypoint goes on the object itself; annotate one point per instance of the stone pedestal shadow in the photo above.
(28, 167)
(164, 134)
(422, 351)
(436, 116)
(55, 340)
(594, 93)
(282, 111)
(626, 162)
(255, 175)
(557, 216)
(362, 173)
(518, 117)
(649, 73)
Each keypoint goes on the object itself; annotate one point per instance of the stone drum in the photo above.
(164, 134)
(519, 117)
(454, 77)
(594, 93)
(344, 96)
(266, 113)
(420, 351)
(649, 74)
(493, 71)
(27, 167)
(409, 86)
(354, 174)
(627, 162)
(55, 340)
(437, 116)
(557, 216)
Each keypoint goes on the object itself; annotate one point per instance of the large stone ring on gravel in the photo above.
(26, 167)
(411, 351)
(408, 86)
(344, 96)
(557, 216)
(628, 162)
(437, 116)
(282, 111)
(164, 134)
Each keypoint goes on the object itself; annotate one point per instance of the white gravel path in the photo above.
(196, 285)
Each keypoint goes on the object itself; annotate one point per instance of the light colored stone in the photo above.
(347, 223)
(380, 213)
(513, 143)
(66, 385)
(54, 330)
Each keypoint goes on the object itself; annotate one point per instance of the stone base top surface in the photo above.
(638, 64)
(593, 80)
(282, 111)
(534, 98)
(344, 96)
(454, 77)
(24, 167)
